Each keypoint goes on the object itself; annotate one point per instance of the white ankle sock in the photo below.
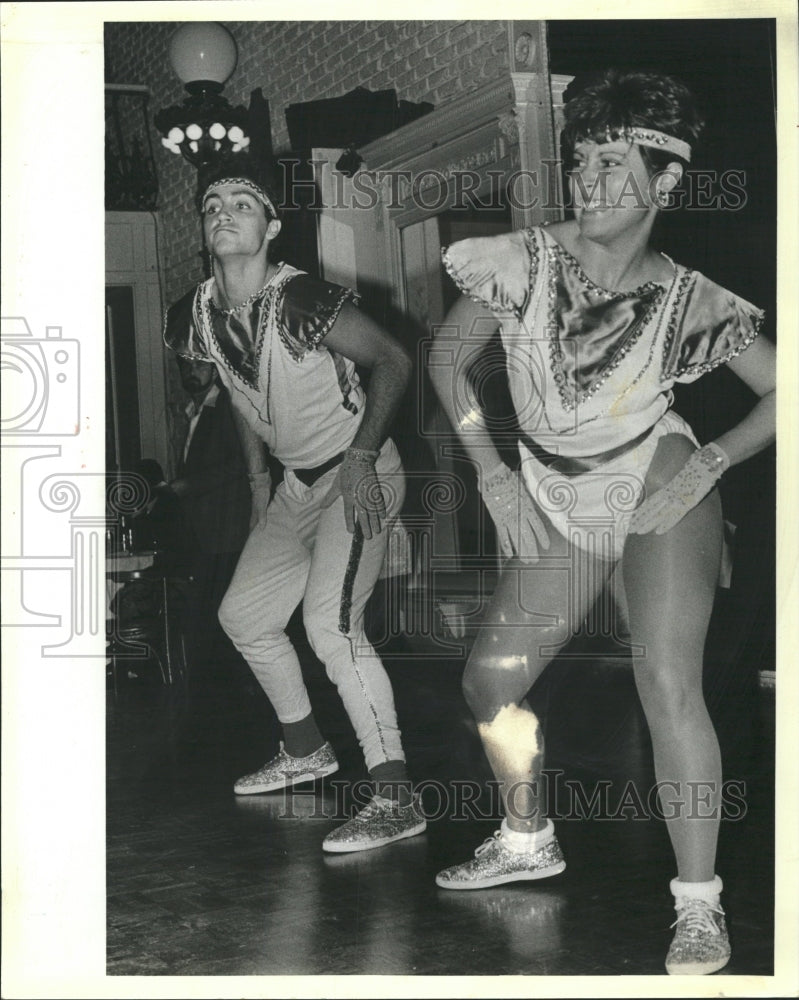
(709, 891)
(523, 843)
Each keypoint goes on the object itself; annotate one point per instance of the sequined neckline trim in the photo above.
(296, 352)
(688, 279)
(247, 302)
(569, 395)
(608, 294)
(265, 303)
(210, 287)
(534, 253)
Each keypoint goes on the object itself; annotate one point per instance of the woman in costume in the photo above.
(598, 326)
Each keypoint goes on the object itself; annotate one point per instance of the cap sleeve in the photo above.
(308, 308)
(496, 271)
(182, 329)
(713, 327)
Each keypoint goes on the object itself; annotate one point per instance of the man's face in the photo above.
(196, 376)
(235, 222)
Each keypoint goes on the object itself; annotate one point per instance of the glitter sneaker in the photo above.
(494, 864)
(284, 771)
(700, 944)
(380, 822)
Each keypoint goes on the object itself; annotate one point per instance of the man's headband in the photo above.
(651, 137)
(251, 186)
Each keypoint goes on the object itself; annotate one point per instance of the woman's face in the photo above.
(235, 223)
(611, 188)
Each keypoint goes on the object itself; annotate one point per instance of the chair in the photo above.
(154, 633)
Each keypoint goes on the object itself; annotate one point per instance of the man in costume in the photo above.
(286, 346)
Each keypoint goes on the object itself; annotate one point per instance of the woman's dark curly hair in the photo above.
(264, 174)
(617, 100)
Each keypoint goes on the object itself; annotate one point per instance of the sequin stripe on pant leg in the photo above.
(369, 699)
(345, 605)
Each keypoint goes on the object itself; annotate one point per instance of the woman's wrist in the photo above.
(496, 477)
(714, 457)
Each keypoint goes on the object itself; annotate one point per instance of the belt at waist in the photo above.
(309, 476)
(574, 466)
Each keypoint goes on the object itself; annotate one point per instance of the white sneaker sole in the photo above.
(349, 847)
(697, 968)
(277, 786)
(487, 883)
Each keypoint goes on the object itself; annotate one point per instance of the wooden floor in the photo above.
(201, 882)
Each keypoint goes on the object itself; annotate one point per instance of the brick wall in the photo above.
(295, 61)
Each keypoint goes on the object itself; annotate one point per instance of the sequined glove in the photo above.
(667, 506)
(261, 489)
(358, 484)
(520, 530)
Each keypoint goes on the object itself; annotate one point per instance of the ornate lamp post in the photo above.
(203, 55)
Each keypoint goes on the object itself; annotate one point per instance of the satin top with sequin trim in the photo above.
(589, 369)
(302, 399)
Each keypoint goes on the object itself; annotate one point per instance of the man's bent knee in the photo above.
(241, 625)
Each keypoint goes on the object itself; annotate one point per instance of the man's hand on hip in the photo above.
(357, 483)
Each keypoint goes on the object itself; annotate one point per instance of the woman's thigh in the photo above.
(670, 579)
(534, 611)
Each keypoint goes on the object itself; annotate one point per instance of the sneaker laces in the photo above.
(374, 806)
(488, 843)
(696, 915)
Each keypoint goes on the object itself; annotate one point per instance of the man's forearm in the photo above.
(387, 382)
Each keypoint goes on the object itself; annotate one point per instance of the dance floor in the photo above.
(201, 882)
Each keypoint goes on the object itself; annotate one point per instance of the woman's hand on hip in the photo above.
(669, 505)
(520, 530)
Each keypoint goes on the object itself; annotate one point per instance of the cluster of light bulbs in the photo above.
(194, 133)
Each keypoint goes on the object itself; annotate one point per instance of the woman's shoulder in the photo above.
(711, 326)
(495, 271)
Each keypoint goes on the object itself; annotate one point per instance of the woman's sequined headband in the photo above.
(651, 137)
(258, 191)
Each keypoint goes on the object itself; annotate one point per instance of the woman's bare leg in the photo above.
(533, 613)
(670, 583)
